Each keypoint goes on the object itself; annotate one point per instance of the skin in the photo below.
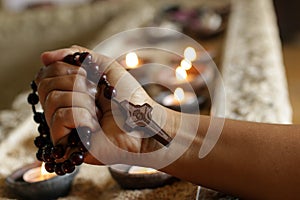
(250, 160)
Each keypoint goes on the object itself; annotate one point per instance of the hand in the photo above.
(68, 100)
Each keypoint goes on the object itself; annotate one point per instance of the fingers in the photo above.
(62, 99)
(104, 62)
(58, 69)
(50, 57)
(65, 83)
(66, 119)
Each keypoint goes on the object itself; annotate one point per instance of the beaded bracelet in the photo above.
(137, 117)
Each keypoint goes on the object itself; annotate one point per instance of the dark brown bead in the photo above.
(84, 132)
(33, 86)
(40, 142)
(38, 117)
(58, 151)
(76, 55)
(92, 67)
(85, 57)
(76, 59)
(39, 155)
(68, 167)
(43, 129)
(58, 169)
(73, 138)
(47, 154)
(49, 166)
(70, 59)
(103, 80)
(77, 158)
(109, 92)
(93, 72)
(84, 146)
(33, 99)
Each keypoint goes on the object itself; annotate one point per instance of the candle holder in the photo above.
(201, 57)
(189, 106)
(199, 76)
(128, 180)
(203, 22)
(132, 61)
(48, 189)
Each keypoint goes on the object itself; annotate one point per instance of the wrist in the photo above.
(166, 120)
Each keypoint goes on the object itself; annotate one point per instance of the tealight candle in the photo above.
(186, 64)
(141, 170)
(37, 174)
(180, 73)
(190, 54)
(135, 177)
(132, 61)
(195, 56)
(29, 182)
(179, 97)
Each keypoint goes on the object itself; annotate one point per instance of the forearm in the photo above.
(252, 160)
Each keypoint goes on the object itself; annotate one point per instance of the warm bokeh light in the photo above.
(37, 174)
(186, 64)
(43, 170)
(190, 54)
(179, 94)
(44, 174)
(141, 170)
(132, 60)
(180, 73)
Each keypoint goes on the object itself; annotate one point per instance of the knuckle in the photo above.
(56, 68)
(42, 85)
(81, 114)
(39, 75)
(41, 89)
(62, 115)
(79, 83)
(53, 95)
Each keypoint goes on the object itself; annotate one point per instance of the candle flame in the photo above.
(43, 170)
(186, 64)
(179, 94)
(141, 170)
(132, 60)
(44, 174)
(180, 73)
(190, 54)
(37, 174)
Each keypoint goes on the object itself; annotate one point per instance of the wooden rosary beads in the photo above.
(78, 139)
(138, 117)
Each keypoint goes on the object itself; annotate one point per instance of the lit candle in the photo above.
(190, 54)
(33, 182)
(180, 73)
(131, 60)
(37, 174)
(141, 170)
(179, 98)
(186, 64)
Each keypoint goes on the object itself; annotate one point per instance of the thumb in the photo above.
(50, 57)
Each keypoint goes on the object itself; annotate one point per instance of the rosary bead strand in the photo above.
(49, 153)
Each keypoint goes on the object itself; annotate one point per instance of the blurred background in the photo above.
(29, 27)
(289, 26)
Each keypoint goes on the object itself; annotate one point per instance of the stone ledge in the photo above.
(254, 78)
(253, 70)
